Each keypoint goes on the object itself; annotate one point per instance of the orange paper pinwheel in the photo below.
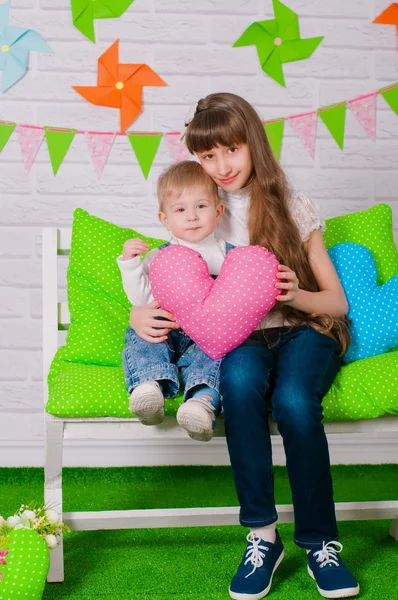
(389, 16)
(120, 86)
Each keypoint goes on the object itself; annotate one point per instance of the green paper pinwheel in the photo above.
(278, 41)
(85, 11)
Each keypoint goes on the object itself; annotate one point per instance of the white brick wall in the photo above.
(189, 44)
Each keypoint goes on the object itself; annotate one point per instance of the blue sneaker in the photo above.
(332, 577)
(253, 578)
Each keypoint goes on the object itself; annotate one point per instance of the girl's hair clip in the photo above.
(190, 115)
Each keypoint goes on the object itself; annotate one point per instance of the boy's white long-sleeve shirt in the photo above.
(233, 228)
(135, 272)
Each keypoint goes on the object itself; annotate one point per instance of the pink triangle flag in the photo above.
(178, 150)
(305, 127)
(30, 139)
(99, 145)
(364, 108)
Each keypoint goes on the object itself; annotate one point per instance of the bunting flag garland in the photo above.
(274, 131)
(6, 129)
(30, 139)
(145, 144)
(178, 150)
(305, 128)
(58, 142)
(99, 145)
(390, 95)
(334, 118)
(364, 108)
(145, 147)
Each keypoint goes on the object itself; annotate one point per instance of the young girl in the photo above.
(288, 366)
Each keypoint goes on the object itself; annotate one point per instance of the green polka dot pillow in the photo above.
(364, 389)
(371, 228)
(79, 390)
(98, 306)
(28, 563)
(86, 378)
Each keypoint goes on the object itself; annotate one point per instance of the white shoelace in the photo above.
(254, 554)
(328, 554)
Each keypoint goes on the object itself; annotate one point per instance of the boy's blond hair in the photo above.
(182, 175)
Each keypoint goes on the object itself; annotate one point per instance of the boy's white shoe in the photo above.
(197, 417)
(147, 403)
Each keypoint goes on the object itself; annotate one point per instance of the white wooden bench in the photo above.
(56, 242)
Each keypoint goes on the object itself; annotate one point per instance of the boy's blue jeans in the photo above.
(143, 361)
(292, 374)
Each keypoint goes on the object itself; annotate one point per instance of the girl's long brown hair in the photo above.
(226, 119)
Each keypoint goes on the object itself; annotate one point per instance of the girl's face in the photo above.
(229, 166)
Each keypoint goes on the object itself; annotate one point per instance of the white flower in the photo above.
(1, 520)
(26, 522)
(52, 517)
(51, 541)
(29, 514)
(13, 521)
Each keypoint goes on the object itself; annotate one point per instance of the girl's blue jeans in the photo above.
(178, 360)
(289, 373)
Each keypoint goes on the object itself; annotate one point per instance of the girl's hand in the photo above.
(133, 248)
(289, 284)
(144, 322)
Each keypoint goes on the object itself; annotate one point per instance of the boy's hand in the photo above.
(133, 248)
(145, 322)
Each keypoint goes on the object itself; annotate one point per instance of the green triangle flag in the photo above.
(145, 147)
(390, 95)
(334, 118)
(274, 131)
(58, 142)
(6, 129)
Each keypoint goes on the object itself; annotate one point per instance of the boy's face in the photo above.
(193, 215)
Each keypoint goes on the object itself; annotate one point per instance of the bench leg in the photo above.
(53, 490)
(394, 529)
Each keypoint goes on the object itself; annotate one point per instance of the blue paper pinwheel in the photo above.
(15, 46)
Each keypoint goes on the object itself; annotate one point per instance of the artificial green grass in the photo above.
(123, 488)
(197, 563)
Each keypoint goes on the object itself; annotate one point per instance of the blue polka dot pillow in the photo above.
(373, 308)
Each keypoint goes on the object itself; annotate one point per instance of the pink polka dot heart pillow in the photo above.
(217, 314)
